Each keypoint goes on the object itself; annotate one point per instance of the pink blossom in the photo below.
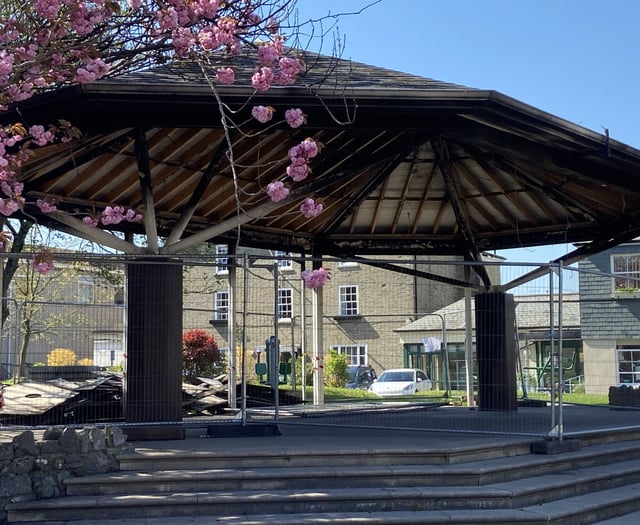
(182, 41)
(310, 208)
(167, 18)
(226, 30)
(90, 221)
(315, 278)
(42, 262)
(46, 206)
(262, 78)
(208, 39)
(298, 172)
(132, 216)
(290, 68)
(6, 63)
(135, 4)
(93, 69)
(112, 215)
(226, 75)
(270, 52)
(9, 206)
(206, 8)
(262, 113)
(43, 267)
(307, 149)
(295, 117)
(47, 8)
(40, 136)
(277, 191)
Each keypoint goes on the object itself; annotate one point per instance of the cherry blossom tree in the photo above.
(46, 44)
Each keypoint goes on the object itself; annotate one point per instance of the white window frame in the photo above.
(285, 304)
(626, 270)
(356, 354)
(284, 265)
(221, 305)
(86, 290)
(348, 300)
(222, 259)
(628, 364)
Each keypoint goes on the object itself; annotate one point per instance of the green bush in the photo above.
(335, 370)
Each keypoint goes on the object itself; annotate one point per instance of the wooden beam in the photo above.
(182, 223)
(444, 163)
(96, 235)
(257, 212)
(146, 188)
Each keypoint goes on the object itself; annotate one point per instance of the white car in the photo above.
(401, 382)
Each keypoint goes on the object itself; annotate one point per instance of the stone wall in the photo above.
(35, 468)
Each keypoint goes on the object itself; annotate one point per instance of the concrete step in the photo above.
(169, 460)
(534, 492)
(474, 473)
(617, 506)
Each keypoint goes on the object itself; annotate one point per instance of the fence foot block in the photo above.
(154, 433)
(238, 430)
(548, 446)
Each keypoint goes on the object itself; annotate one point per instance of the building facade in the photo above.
(363, 304)
(610, 313)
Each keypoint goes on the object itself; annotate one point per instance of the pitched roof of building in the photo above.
(409, 165)
(532, 313)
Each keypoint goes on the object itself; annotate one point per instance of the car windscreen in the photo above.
(396, 376)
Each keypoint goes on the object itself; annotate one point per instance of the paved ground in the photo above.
(401, 426)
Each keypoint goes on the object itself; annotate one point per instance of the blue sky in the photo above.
(576, 59)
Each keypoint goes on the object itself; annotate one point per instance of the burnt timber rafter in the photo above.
(444, 163)
(203, 183)
(146, 188)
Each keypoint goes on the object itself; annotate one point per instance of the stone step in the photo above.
(336, 476)
(619, 506)
(557, 491)
(169, 460)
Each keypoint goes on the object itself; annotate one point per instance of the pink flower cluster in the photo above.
(310, 208)
(275, 67)
(46, 205)
(315, 278)
(262, 114)
(299, 156)
(277, 191)
(294, 116)
(113, 215)
(42, 262)
(55, 51)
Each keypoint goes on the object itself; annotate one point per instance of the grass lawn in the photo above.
(456, 397)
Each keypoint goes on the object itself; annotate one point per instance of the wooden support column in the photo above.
(153, 372)
(496, 351)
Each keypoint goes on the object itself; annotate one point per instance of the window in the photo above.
(221, 305)
(85, 290)
(348, 300)
(284, 264)
(108, 352)
(628, 364)
(627, 272)
(118, 297)
(347, 264)
(356, 354)
(285, 304)
(222, 250)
